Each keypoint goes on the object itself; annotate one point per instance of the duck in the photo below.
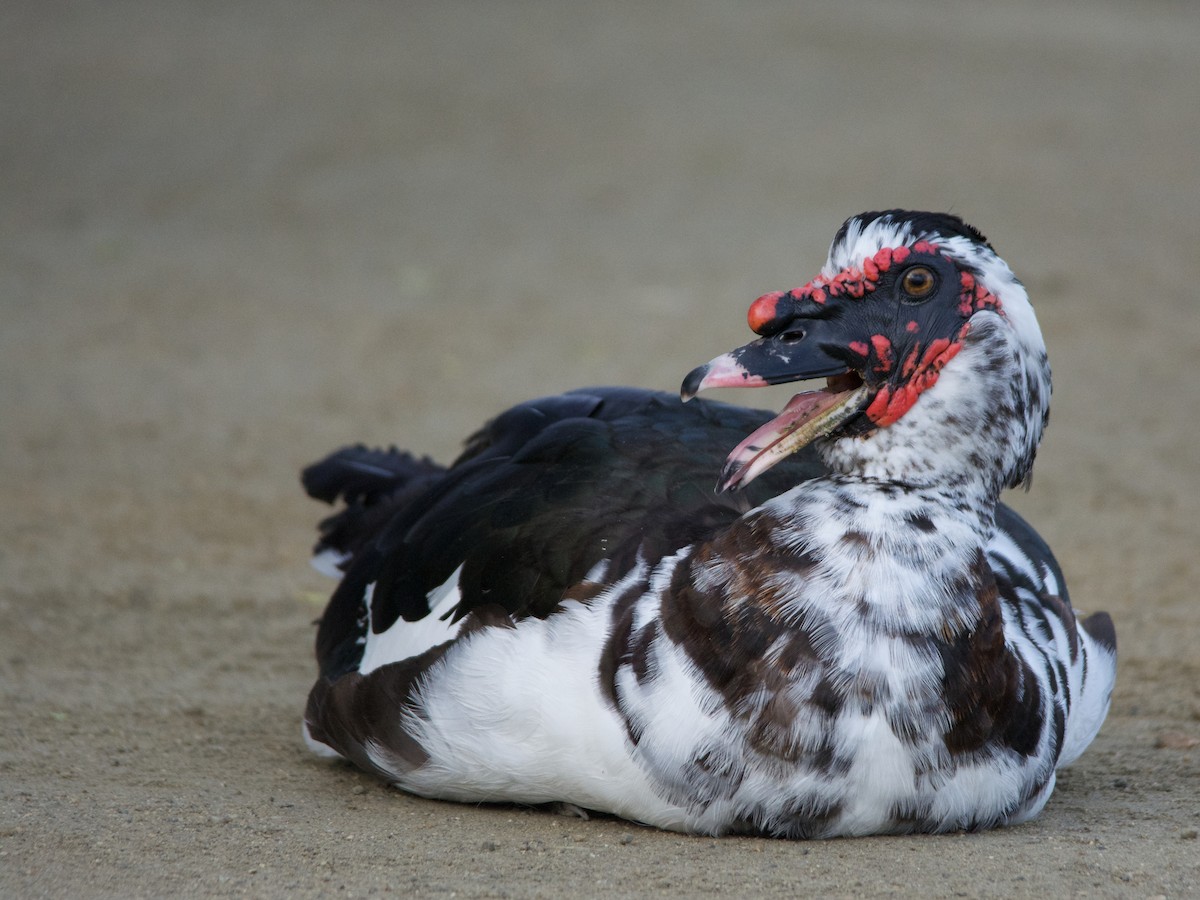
(716, 620)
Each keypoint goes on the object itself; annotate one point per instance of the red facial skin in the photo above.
(974, 296)
(920, 368)
(883, 352)
(891, 403)
(762, 311)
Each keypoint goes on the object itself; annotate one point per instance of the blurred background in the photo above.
(234, 236)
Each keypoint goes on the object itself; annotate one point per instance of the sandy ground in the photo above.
(236, 235)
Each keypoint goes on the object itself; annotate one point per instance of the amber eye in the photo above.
(918, 282)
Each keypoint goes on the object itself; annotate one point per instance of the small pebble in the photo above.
(1176, 740)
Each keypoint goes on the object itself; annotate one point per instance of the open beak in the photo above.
(794, 354)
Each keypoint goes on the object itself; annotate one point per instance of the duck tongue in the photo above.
(808, 415)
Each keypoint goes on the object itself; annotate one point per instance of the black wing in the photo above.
(540, 495)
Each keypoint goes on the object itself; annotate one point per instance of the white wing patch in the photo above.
(329, 563)
(406, 639)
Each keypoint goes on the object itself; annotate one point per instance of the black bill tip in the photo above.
(691, 384)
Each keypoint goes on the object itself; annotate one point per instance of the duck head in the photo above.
(901, 295)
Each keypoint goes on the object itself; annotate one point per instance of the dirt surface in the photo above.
(236, 235)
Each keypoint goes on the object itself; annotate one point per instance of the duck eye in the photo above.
(918, 282)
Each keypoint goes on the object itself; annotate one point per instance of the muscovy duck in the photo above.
(847, 635)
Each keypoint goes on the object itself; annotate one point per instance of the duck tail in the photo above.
(373, 484)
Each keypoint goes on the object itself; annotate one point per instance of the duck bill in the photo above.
(788, 356)
(769, 360)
